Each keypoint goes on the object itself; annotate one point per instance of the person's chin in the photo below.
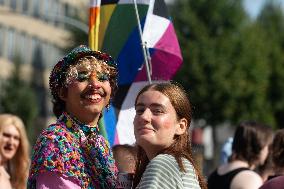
(145, 139)
(94, 108)
(7, 157)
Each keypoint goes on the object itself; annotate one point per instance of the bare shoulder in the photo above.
(246, 180)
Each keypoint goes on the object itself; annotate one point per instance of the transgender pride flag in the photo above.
(114, 29)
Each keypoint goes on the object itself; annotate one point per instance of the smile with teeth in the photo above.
(93, 97)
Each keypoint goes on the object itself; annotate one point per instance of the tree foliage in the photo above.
(18, 98)
(228, 68)
(271, 20)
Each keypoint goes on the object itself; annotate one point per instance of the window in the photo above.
(1, 41)
(46, 9)
(25, 5)
(36, 8)
(13, 4)
(11, 44)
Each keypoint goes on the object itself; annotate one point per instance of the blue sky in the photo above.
(253, 6)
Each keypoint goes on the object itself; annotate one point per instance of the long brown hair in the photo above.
(278, 149)
(181, 147)
(249, 139)
(18, 166)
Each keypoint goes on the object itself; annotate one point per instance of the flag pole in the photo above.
(145, 49)
(94, 22)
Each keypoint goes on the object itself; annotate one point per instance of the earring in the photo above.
(108, 107)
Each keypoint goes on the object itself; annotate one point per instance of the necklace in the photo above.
(96, 151)
(83, 129)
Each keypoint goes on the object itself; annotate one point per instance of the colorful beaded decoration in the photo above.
(57, 78)
(76, 150)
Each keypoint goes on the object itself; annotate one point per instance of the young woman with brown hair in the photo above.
(161, 128)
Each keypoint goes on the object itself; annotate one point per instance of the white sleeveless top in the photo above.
(4, 179)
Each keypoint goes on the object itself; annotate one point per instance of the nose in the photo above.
(14, 141)
(146, 115)
(10, 140)
(94, 82)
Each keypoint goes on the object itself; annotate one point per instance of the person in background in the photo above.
(125, 157)
(71, 153)
(249, 149)
(14, 152)
(276, 180)
(226, 151)
(274, 183)
(277, 151)
(267, 169)
(197, 146)
(4, 177)
(161, 128)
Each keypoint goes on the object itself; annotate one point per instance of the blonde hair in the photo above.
(18, 166)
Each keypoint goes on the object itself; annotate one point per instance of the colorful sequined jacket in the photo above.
(74, 150)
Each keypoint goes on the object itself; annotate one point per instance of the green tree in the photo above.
(18, 98)
(271, 19)
(225, 65)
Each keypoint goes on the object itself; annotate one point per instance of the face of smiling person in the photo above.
(9, 142)
(87, 96)
(155, 122)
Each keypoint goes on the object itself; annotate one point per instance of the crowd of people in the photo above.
(71, 152)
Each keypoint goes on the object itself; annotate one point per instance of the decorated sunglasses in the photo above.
(86, 68)
(85, 75)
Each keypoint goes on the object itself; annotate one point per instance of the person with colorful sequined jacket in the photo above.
(71, 153)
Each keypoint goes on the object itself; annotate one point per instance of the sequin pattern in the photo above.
(74, 149)
(57, 78)
(87, 65)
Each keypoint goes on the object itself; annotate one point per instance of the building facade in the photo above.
(38, 33)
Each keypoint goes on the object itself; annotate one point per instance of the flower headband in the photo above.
(58, 77)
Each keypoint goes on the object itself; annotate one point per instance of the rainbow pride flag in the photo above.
(114, 29)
